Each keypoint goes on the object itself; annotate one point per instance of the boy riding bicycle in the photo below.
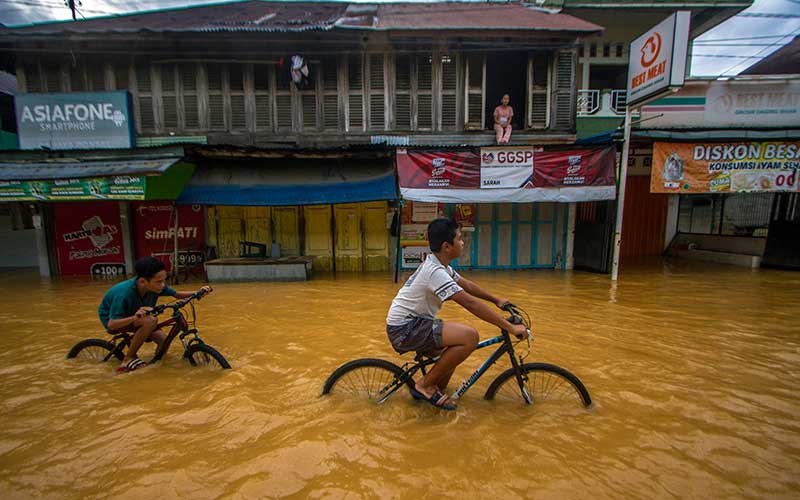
(411, 324)
(126, 305)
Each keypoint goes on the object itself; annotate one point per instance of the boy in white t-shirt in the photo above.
(411, 324)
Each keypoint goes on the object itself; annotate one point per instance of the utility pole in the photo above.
(71, 5)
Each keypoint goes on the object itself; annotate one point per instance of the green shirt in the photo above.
(123, 300)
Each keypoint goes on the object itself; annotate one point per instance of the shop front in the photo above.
(335, 212)
(513, 203)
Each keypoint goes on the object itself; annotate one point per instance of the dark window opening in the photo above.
(506, 73)
(607, 77)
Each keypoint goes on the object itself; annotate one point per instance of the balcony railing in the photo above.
(594, 102)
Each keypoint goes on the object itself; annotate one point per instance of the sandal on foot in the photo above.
(131, 365)
(438, 399)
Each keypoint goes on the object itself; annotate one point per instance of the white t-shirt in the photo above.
(422, 295)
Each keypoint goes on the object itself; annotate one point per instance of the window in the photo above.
(449, 89)
(424, 92)
(188, 94)
(474, 91)
(402, 95)
(377, 106)
(330, 93)
(144, 99)
(564, 90)
(216, 97)
(238, 118)
(308, 98)
(539, 96)
(169, 97)
(262, 81)
(355, 90)
(283, 98)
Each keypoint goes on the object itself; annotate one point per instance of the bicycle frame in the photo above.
(506, 347)
(179, 325)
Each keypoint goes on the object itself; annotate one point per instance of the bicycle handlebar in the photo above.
(178, 304)
(518, 316)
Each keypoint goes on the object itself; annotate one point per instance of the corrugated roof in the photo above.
(276, 16)
(75, 170)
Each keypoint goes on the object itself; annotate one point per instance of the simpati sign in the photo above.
(506, 167)
(657, 59)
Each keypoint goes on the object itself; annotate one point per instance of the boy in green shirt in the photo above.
(126, 305)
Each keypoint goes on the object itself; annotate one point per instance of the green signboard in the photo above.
(166, 186)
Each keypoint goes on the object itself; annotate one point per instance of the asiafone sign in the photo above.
(78, 120)
(657, 59)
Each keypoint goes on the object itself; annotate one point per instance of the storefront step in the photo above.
(736, 259)
(244, 269)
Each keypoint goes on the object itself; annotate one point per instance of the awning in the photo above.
(160, 179)
(291, 182)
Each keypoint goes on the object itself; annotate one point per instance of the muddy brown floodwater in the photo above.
(693, 368)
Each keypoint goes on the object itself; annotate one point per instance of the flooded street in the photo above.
(693, 369)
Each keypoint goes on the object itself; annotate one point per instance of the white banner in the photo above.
(508, 167)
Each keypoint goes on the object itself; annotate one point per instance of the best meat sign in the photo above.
(657, 59)
(506, 167)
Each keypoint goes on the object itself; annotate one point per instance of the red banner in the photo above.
(154, 232)
(462, 170)
(574, 168)
(439, 169)
(88, 239)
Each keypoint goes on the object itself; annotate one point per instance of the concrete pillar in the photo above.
(43, 255)
(573, 210)
(671, 227)
(127, 241)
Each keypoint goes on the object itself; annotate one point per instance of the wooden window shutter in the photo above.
(262, 81)
(122, 77)
(97, 77)
(144, 93)
(77, 78)
(33, 78)
(449, 90)
(330, 93)
(402, 99)
(238, 119)
(169, 97)
(52, 75)
(565, 90)
(424, 81)
(191, 109)
(474, 92)
(355, 96)
(539, 78)
(377, 107)
(308, 98)
(216, 99)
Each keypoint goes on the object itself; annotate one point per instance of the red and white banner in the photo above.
(510, 174)
(154, 232)
(88, 239)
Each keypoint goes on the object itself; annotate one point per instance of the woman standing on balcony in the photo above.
(502, 120)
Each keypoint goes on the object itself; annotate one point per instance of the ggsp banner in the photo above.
(729, 167)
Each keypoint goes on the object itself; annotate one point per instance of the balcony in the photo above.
(601, 103)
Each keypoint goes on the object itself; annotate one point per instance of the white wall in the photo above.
(17, 248)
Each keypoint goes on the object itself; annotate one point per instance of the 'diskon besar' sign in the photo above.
(77, 120)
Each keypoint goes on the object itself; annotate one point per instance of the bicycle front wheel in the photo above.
(97, 350)
(543, 382)
(369, 378)
(205, 355)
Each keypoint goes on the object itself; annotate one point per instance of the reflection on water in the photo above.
(693, 369)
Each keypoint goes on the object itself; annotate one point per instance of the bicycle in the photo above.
(378, 379)
(195, 350)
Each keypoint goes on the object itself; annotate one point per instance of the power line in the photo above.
(741, 38)
(793, 33)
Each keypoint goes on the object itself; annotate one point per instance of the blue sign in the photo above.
(77, 120)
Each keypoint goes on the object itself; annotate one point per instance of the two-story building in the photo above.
(289, 118)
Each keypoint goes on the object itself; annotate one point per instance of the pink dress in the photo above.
(502, 123)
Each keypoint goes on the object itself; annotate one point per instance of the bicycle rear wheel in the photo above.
(543, 383)
(97, 350)
(205, 355)
(368, 378)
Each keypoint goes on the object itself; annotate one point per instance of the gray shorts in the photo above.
(420, 334)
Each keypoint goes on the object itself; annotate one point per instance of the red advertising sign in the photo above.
(574, 168)
(88, 239)
(154, 232)
(439, 169)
